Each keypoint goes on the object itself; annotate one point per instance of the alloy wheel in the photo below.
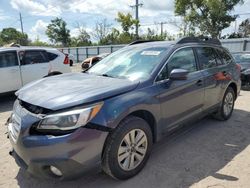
(228, 103)
(132, 149)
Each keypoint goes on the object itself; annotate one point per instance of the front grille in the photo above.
(33, 108)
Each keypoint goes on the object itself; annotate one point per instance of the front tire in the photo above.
(127, 149)
(226, 109)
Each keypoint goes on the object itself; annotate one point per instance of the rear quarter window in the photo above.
(52, 56)
(227, 59)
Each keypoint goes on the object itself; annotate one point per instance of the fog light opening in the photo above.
(56, 171)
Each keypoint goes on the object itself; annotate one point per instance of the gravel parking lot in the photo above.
(208, 153)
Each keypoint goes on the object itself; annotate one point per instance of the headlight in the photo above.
(70, 119)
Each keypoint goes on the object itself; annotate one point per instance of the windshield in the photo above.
(133, 63)
(242, 57)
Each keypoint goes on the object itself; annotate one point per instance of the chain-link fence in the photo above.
(81, 53)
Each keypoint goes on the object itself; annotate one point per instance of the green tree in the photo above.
(112, 37)
(101, 31)
(83, 38)
(127, 22)
(233, 35)
(1, 42)
(58, 32)
(9, 35)
(243, 31)
(152, 35)
(126, 38)
(210, 16)
(38, 42)
(244, 28)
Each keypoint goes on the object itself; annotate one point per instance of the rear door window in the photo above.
(34, 57)
(8, 59)
(207, 57)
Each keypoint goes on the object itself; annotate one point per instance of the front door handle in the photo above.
(199, 83)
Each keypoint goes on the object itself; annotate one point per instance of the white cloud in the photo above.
(36, 8)
(75, 32)
(38, 30)
(108, 8)
(3, 16)
(152, 11)
(156, 5)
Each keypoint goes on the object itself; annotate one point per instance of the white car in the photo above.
(21, 65)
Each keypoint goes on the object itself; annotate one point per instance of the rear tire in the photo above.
(226, 108)
(127, 149)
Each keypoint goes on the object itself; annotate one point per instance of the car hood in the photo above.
(68, 90)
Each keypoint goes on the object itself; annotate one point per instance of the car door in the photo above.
(213, 75)
(34, 65)
(180, 99)
(9, 72)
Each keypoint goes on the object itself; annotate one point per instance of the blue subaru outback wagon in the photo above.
(112, 114)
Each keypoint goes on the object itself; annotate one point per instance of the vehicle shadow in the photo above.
(6, 102)
(180, 160)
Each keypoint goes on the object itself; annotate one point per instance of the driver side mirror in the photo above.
(178, 74)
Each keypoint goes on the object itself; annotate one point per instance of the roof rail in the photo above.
(198, 39)
(141, 41)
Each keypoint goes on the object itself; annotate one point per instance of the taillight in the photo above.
(238, 67)
(66, 59)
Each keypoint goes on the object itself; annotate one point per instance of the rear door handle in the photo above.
(199, 83)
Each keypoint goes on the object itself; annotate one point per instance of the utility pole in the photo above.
(235, 25)
(21, 21)
(136, 6)
(162, 29)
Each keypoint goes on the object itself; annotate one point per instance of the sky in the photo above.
(37, 14)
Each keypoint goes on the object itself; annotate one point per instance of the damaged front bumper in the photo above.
(73, 153)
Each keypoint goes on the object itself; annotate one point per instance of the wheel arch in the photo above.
(149, 118)
(143, 114)
(234, 87)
